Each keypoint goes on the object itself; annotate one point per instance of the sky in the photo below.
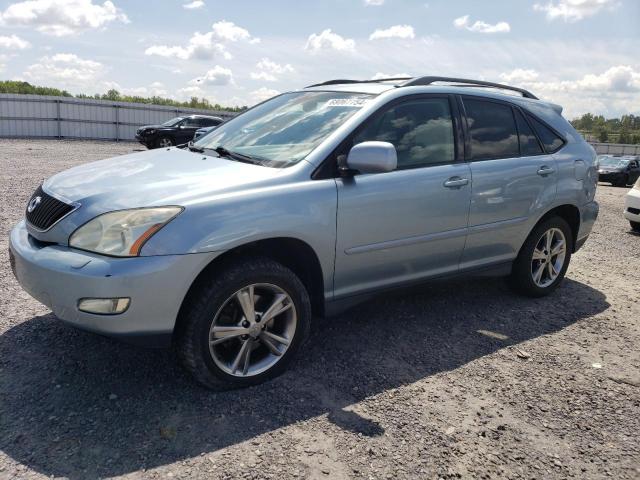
(581, 54)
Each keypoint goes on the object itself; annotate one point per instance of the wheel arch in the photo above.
(569, 213)
(293, 253)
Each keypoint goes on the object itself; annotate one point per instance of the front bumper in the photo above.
(59, 276)
(146, 141)
(610, 177)
(632, 205)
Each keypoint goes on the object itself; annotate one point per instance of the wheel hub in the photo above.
(252, 330)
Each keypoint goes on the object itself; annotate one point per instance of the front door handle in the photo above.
(456, 182)
(545, 170)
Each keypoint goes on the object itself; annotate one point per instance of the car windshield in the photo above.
(613, 162)
(284, 130)
(172, 122)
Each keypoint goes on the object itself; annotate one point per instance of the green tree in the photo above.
(602, 135)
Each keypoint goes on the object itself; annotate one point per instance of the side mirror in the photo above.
(372, 157)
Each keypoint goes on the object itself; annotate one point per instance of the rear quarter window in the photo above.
(551, 141)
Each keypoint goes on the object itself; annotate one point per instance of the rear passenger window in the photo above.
(209, 122)
(550, 140)
(492, 129)
(529, 144)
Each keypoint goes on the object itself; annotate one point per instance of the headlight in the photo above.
(122, 233)
(151, 131)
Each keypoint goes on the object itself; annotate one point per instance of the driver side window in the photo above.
(421, 130)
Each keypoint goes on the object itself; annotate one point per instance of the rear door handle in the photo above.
(545, 170)
(456, 182)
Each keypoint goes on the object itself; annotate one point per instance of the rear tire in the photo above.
(543, 259)
(209, 343)
(635, 226)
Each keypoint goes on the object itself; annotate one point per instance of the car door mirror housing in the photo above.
(373, 157)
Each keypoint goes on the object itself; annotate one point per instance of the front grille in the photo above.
(46, 211)
(635, 211)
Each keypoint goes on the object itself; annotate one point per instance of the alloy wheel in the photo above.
(548, 257)
(165, 142)
(252, 330)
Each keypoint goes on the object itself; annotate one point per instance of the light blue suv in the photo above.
(305, 205)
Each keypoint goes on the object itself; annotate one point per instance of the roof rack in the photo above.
(346, 82)
(467, 83)
(428, 80)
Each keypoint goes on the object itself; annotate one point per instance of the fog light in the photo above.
(103, 306)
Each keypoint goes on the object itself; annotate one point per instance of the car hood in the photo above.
(157, 177)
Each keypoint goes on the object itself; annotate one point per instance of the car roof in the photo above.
(427, 84)
(428, 80)
(205, 116)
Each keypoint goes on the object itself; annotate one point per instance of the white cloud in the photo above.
(193, 5)
(373, 2)
(13, 43)
(263, 93)
(397, 31)
(156, 89)
(520, 75)
(188, 92)
(327, 40)
(481, 26)
(61, 17)
(617, 79)
(573, 10)
(66, 69)
(215, 76)
(381, 75)
(231, 32)
(206, 46)
(268, 69)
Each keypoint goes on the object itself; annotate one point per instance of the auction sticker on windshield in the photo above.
(346, 102)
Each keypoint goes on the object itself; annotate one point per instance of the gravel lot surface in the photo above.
(459, 380)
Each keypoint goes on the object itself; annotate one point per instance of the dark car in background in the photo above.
(201, 132)
(175, 131)
(619, 171)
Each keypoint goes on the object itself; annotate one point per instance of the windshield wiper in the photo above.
(223, 152)
(191, 146)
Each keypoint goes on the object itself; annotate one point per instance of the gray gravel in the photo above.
(458, 380)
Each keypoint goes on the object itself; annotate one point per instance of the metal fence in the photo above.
(38, 116)
(616, 149)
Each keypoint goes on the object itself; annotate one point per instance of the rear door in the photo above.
(514, 180)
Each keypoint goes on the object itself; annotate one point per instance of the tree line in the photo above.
(625, 129)
(11, 86)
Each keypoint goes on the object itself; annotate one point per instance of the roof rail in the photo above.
(346, 81)
(464, 82)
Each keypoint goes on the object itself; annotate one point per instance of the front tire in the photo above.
(165, 142)
(635, 226)
(543, 259)
(244, 326)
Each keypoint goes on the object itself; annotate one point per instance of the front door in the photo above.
(409, 224)
(187, 130)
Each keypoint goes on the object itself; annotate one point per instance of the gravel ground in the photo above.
(432, 384)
